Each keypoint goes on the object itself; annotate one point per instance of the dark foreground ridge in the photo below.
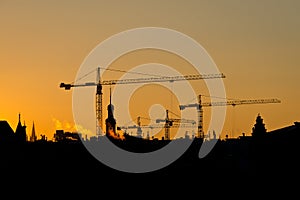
(274, 154)
(241, 163)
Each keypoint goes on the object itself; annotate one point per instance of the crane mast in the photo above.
(99, 120)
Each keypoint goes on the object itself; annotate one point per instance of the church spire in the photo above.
(110, 120)
(110, 96)
(19, 122)
(33, 135)
(20, 132)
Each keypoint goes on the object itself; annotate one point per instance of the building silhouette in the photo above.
(6, 132)
(20, 133)
(33, 137)
(110, 121)
(62, 136)
(259, 127)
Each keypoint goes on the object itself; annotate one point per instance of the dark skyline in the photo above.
(266, 157)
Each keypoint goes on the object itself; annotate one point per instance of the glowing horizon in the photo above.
(255, 44)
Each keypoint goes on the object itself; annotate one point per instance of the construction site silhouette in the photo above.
(260, 157)
(264, 157)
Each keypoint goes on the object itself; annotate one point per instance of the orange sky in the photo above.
(254, 43)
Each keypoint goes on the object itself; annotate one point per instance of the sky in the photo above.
(256, 44)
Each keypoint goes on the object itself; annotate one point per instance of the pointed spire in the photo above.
(20, 132)
(19, 122)
(110, 95)
(33, 135)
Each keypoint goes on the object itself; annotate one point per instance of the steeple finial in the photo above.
(110, 95)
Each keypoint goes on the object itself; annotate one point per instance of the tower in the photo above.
(110, 122)
(259, 127)
(20, 133)
(33, 135)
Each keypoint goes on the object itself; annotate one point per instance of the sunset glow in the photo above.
(254, 43)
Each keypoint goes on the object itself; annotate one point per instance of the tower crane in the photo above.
(99, 83)
(200, 105)
(138, 126)
(169, 122)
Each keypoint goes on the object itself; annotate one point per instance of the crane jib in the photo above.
(145, 80)
(162, 79)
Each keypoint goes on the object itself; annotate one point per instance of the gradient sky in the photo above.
(256, 44)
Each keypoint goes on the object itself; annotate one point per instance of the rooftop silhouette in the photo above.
(263, 156)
